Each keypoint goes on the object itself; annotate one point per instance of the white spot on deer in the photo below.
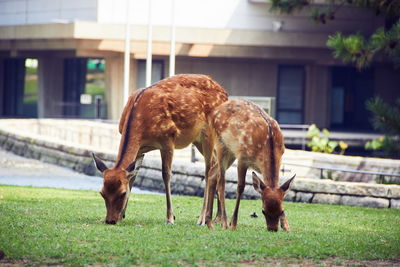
(250, 140)
(231, 141)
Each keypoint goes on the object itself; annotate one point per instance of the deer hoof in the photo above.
(169, 223)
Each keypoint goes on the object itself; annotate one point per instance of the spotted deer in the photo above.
(242, 130)
(172, 113)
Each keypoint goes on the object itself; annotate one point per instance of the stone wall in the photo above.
(307, 158)
(188, 178)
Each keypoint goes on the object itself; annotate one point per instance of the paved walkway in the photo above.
(16, 170)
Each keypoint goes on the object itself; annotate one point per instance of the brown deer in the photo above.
(172, 113)
(242, 130)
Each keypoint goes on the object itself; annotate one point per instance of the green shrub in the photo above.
(323, 144)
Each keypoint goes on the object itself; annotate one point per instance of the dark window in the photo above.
(290, 94)
(349, 91)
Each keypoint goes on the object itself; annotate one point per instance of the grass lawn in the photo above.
(49, 226)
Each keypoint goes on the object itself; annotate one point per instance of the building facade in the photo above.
(247, 49)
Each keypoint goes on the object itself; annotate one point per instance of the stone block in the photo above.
(66, 163)
(395, 203)
(152, 163)
(91, 169)
(148, 183)
(365, 201)
(79, 167)
(345, 188)
(138, 180)
(8, 144)
(50, 159)
(393, 191)
(18, 147)
(303, 197)
(3, 138)
(326, 198)
(250, 193)
(153, 174)
(290, 196)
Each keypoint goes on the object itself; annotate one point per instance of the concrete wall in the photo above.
(229, 14)
(237, 76)
(19, 12)
(237, 14)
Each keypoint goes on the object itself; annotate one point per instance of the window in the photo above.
(350, 90)
(290, 94)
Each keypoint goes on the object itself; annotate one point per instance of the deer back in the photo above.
(251, 135)
(175, 108)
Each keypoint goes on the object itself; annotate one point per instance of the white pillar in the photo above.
(172, 45)
(149, 47)
(127, 53)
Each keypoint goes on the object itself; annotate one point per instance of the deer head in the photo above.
(116, 189)
(272, 199)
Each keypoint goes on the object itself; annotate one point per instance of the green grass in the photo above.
(31, 87)
(94, 89)
(48, 226)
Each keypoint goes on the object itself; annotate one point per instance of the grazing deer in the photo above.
(242, 130)
(172, 113)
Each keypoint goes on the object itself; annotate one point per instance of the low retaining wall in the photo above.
(188, 178)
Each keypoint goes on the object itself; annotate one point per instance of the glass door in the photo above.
(290, 102)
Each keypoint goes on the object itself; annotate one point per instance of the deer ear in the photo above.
(258, 184)
(133, 168)
(286, 185)
(99, 163)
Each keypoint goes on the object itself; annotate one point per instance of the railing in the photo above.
(302, 127)
(96, 110)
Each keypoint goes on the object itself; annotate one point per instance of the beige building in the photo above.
(247, 49)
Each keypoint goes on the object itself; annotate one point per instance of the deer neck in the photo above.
(127, 152)
(130, 137)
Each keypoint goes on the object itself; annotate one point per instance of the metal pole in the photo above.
(172, 46)
(127, 53)
(149, 48)
(98, 107)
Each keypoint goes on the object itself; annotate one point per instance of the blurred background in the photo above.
(61, 58)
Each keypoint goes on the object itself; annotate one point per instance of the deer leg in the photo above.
(207, 156)
(242, 169)
(218, 217)
(221, 195)
(211, 188)
(284, 223)
(139, 161)
(166, 158)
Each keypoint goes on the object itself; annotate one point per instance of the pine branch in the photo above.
(386, 117)
(355, 49)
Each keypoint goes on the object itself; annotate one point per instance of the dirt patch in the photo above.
(322, 262)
